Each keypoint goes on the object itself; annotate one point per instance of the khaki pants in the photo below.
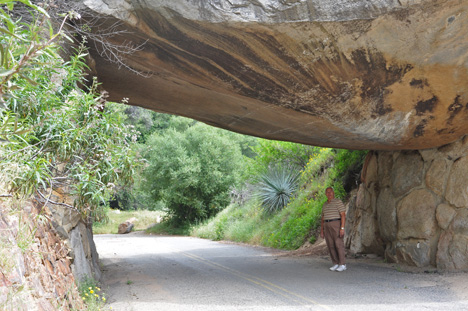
(335, 244)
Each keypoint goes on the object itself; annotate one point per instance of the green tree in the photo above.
(191, 169)
(272, 153)
(146, 121)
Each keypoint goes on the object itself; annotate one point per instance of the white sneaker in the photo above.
(334, 268)
(341, 268)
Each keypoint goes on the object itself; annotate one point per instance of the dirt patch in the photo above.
(319, 248)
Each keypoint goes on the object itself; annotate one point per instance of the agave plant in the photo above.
(276, 187)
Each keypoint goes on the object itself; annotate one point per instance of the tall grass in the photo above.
(291, 228)
(237, 223)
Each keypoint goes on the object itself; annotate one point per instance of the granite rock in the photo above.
(357, 74)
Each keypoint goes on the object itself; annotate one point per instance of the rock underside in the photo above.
(379, 74)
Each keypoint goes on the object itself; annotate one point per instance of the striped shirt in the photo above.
(333, 209)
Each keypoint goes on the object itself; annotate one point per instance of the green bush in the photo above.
(192, 170)
(347, 169)
(317, 165)
(54, 133)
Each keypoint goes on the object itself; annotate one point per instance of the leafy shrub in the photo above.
(55, 134)
(240, 223)
(192, 171)
(317, 165)
(348, 166)
(241, 194)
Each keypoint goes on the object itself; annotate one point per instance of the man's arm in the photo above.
(343, 221)
(321, 228)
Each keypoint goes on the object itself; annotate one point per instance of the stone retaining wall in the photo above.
(44, 248)
(412, 207)
(78, 236)
(36, 266)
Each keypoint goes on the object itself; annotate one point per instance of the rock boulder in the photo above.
(127, 226)
(358, 74)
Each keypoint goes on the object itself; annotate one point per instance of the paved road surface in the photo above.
(148, 272)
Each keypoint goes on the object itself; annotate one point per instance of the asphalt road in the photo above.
(148, 272)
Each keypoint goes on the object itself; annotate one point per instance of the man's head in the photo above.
(330, 193)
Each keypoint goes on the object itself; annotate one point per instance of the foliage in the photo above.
(238, 222)
(24, 48)
(291, 228)
(191, 168)
(347, 169)
(7, 262)
(276, 187)
(317, 164)
(146, 121)
(169, 227)
(270, 153)
(54, 134)
(149, 123)
(299, 221)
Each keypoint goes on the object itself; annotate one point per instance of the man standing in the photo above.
(332, 228)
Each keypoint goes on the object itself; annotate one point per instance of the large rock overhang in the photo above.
(354, 74)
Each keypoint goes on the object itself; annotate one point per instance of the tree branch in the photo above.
(48, 200)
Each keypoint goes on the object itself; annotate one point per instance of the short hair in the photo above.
(330, 188)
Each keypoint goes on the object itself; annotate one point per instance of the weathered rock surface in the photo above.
(406, 173)
(35, 263)
(425, 225)
(416, 215)
(436, 177)
(387, 215)
(444, 215)
(76, 234)
(126, 227)
(457, 186)
(371, 74)
(362, 237)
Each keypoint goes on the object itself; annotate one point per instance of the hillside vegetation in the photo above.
(251, 221)
(215, 184)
